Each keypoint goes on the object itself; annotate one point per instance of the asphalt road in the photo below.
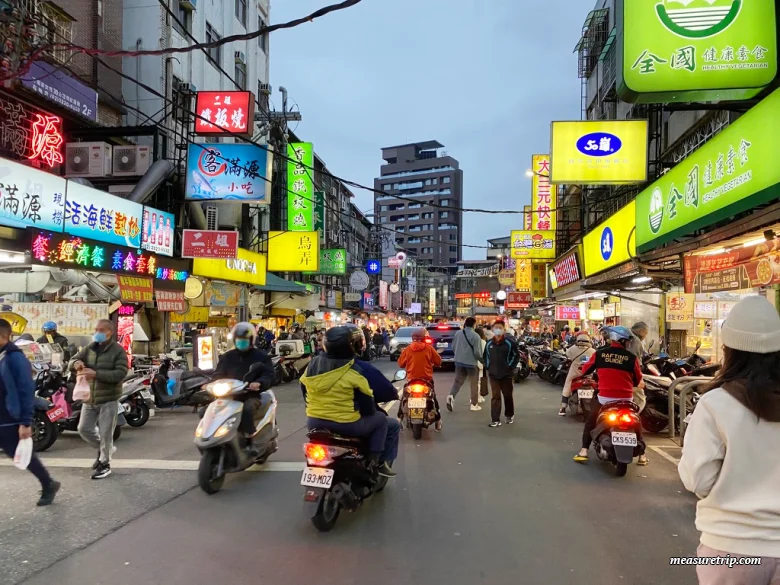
(472, 505)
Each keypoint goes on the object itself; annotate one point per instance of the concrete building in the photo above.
(421, 171)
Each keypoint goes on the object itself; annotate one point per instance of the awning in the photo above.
(275, 284)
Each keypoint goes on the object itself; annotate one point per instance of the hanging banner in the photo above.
(383, 289)
(679, 307)
(233, 172)
(743, 268)
(534, 245)
(543, 199)
(59, 87)
(209, 244)
(293, 251)
(170, 301)
(432, 300)
(523, 276)
(300, 187)
(135, 289)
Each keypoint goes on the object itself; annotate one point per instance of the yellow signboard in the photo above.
(18, 323)
(294, 251)
(533, 244)
(543, 200)
(523, 276)
(539, 280)
(193, 315)
(527, 217)
(612, 242)
(247, 267)
(599, 152)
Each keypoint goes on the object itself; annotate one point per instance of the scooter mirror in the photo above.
(698, 346)
(399, 375)
(652, 343)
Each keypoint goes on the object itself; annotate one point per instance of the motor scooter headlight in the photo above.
(220, 389)
(225, 427)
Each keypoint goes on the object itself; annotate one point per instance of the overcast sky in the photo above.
(483, 77)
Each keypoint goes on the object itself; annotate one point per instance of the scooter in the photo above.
(523, 368)
(418, 405)
(223, 448)
(137, 400)
(616, 436)
(583, 389)
(187, 391)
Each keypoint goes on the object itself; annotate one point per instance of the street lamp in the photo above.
(530, 174)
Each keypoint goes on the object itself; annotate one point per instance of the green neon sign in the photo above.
(333, 261)
(695, 50)
(300, 187)
(733, 172)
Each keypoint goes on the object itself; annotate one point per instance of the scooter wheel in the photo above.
(327, 512)
(138, 417)
(44, 432)
(621, 469)
(417, 431)
(207, 473)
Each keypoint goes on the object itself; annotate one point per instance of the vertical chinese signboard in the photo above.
(527, 217)
(30, 133)
(539, 280)
(383, 294)
(319, 213)
(523, 276)
(695, 50)
(542, 194)
(300, 187)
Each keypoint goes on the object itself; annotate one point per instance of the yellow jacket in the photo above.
(331, 385)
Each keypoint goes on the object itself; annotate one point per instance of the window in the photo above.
(240, 74)
(453, 236)
(445, 180)
(387, 187)
(241, 11)
(453, 248)
(444, 214)
(399, 240)
(383, 208)
(215, 53)
(396, 218)
(427, 215)
(383, 219)
(435, 181)
(444, 202)
(57, 28)
(401, 229)
(453, 260)
(262, 40)
(183, 21)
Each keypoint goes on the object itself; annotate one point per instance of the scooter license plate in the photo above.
(624, 439)
(585, 393)
(416, 414)
(317, 477)
(418, 403)
(55, 414)
(146, 395)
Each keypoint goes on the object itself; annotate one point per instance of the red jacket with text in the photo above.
(618, 371)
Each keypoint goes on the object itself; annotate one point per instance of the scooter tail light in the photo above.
(418, 389)
(321, 455)
(147, 382)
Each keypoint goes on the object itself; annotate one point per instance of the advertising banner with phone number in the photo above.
(743, 268)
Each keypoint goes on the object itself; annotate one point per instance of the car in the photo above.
(442, 336)
(400, 340)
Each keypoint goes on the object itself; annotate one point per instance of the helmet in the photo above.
(358, 339)
(49, 326)
(339, 342)
(243, 330)
(583, 340)
(419, 334)
(618, 333)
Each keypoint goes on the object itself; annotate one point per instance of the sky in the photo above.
(483, 77)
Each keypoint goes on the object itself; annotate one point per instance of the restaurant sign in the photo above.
(517, 300)
(567, 313)
(566, 270)
(94, 214)
(478, 272)
(30, 198)
(233, 172)
(136, 289)
(739, 269)
(537, 245)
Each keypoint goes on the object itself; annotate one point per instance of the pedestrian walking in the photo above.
(501, 359)
(483, 381)
(730, 459)
(17, 395)
(103, 363)
(466, 345)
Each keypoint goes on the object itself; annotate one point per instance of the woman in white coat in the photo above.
(731, 459)
(582, 348)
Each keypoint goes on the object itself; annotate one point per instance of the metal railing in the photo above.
(683, 394)
(683, 397)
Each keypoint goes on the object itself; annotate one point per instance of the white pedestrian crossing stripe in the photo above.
(156, 464)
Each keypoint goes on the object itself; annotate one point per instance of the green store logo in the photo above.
(656, 216)
(698, 19)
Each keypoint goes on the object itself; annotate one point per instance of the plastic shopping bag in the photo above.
(82, 390)
(24, 451)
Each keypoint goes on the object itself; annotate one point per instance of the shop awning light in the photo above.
(754, 242)
(714, 252)
(641, 279)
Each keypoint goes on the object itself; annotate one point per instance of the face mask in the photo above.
(99, 337)
(498, 332)
(242, 344)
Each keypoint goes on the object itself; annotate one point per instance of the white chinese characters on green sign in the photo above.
(300, 187)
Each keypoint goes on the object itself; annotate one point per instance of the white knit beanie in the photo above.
(753, 325)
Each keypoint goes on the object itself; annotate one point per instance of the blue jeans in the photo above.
(9, 439)
(391, 444)
(373, 427)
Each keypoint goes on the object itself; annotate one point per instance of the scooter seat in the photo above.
(620, 404)
(326, 436)
(194, 374)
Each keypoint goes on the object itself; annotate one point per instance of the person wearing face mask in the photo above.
(235, 365)
(104, 365)
(501, 359)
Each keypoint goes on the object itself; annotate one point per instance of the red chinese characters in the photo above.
(225, 112)
(46, 140)
(567, 270)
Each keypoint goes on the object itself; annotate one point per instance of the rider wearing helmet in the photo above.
(50, 335)
(339, 397)
(580, 352)
(419, 358)
(236, 363)
(618, 372)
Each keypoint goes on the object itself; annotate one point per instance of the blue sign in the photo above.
(599, 144)
(607, 243)
(236, 172)
(96, 215)
(62, 89)
(31, 198)
(374, 266)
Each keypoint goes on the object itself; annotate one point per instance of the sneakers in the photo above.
(494, 424)
(48, 493)
(510, 420)
(476, 407)
(481, 400)
(562, 411)
(103, 470)
(450, 402)
(96, 464)
(385, 471)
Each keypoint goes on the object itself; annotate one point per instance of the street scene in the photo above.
(451, 292)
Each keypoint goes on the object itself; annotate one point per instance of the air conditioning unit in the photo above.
(185, 87)
(131, 160)
(265, 88)
(212, 218)
(121, 190)
(239, 57)
(87, 159)
(189, 4)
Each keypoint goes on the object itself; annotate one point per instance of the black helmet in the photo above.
(338, 342)
(358, 339)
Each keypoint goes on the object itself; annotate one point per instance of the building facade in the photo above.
(429, 226)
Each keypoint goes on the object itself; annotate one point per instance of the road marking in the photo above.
(665, 455)
(157, 464)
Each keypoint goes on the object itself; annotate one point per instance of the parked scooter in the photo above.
(616, 436)
(137, 400)
(418, 405)
(291, 368)
(187, 391)
(223, 448)
(523, 368)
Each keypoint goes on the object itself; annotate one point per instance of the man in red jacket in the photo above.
(618, 372)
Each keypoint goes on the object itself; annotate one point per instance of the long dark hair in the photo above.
(753, 379)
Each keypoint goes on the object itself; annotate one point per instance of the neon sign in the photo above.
(46, 139)
(68, 251)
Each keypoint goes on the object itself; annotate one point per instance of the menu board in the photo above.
(71, 318)
(743, 268)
